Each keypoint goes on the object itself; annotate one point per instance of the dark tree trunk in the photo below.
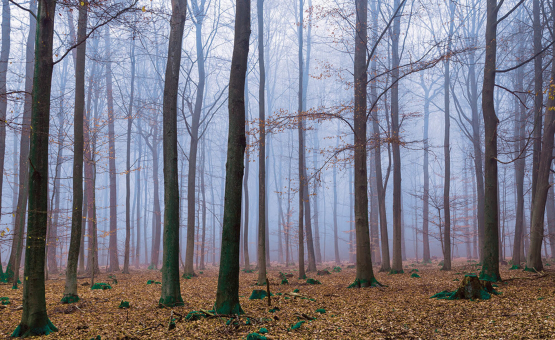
(203, 194)
(261, 150)
(227, 294)
(490, 249)
(335, 236)
(34, 320)
(70, 290)
(246, 206)
(171, 291)
(539, 200)
(364, 272)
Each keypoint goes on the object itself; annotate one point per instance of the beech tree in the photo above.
(227, 294)
(34, 319)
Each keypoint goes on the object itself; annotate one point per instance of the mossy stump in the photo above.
(470, 288)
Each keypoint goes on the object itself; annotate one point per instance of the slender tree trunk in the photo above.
(203, 194)
(374, 216)
(128, 211)
(194, 133)
(335, 236)
(70, 290)
(34, 319)
(426, 195)
(4, 59)
(397, 263)
(538, 98)
(301, 144)
(246, 207)
(171, 291)
(315, 200)
(490, 249)
(446, 146)
(227, 294)
(262, 150)
(12, 270)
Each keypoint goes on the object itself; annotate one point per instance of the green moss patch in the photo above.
(101, 285)
(321, 311)
(337, 269)
(297, 325)
(258, 294)
(365, 283)
(124, 304)
(70, 299)
(414, 275)
(313, 282)
(5, 301)
(255, 336)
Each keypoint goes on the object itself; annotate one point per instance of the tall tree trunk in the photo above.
(4, 59)
(301, 144)
(538, 98)
(446, 146)
(70, 290)
(138, 211)
(520, 162)
(335, 236)
(315, 200)
(34, 319)
(199, 14)
(114, 259)
(490, 249)
(12, 270)
(171, 291)
(364, 272)
(227, 294)
(397, 263)
(128, 211)
(374, 216)
(157, 215)
(426, 194)
(534, 260)
(246, 206)
(203, 194)
(261, 149)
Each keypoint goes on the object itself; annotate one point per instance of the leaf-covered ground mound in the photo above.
(402, 309)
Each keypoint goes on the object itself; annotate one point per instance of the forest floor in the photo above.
(402, 309)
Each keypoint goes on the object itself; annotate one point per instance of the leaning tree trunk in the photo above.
(70, 290)
(490, 249)
(171, 291)
(34, 319)
(227, 294)
(114, 259)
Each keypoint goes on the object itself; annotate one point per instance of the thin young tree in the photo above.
(227, 294)
(70, 290)
(34, 319)
(171, 291)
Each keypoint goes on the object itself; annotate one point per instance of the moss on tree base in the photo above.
(365, 283)
(470, 288)
(228, 308)
(70, 298)
(24, 331)
(170, 301)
